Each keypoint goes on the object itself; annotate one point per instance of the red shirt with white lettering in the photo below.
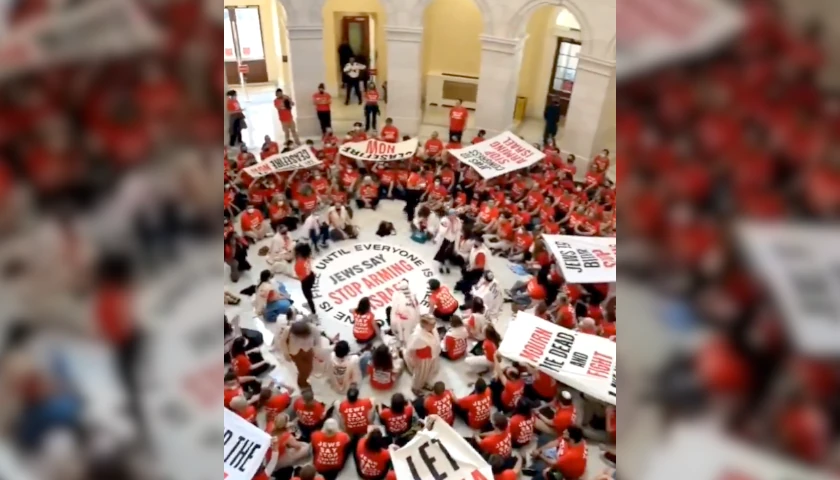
(355, 415)
(309, 415)
(397, 423)
(371, 464)
(477, 406)
(441, 405)
(443, 302)
(522, 428)
(381, 379)
(390, 134)
(458, 119)
(512, 392)
(328, 452)
(497, 443)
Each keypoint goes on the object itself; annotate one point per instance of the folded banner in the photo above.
(439, 453)
(580, 360)
(93, 31)
(499, 155)
(299, 158)
(244, 448)
(379, 151)
(584, 259)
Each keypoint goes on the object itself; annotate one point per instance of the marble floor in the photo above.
(454, 374)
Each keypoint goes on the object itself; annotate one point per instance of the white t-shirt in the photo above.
(338, 220)
(344, 372)
(353, 70)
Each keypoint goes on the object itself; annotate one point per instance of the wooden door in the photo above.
(355, 31)
(244, 45)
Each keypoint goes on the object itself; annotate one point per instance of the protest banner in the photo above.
(723, 458)
(584, 259)
(299, 158)
(372, 270)
(379, 151)
(92, 31)
(499, 155)
(245, 447)
(580, 360)
(437, 454)
(800, 265)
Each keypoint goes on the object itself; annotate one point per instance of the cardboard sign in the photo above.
(800, 265)
(299, 158)
(92, 31)
(439, 453)
(244, 448)
(499, 155)
(584, 259)
(723, 458)
(379, 151)
(373, 270)
(582, 361)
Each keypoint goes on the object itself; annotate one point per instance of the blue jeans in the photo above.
(279, 307)
(364, 361)
(319, 236)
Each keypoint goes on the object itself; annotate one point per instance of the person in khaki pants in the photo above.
(284, 105)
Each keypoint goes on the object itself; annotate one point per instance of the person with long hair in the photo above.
(447, 234)
(298, 343)
(303, 270)
(398, 418)
(285, 449)
(271, 301)
(373, 460)
(365, 328)
(384, 368)
(422, 355)
(484, 360)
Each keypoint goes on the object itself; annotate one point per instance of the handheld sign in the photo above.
(245, 447)
(584, 259)
(499, 155)
(379, 151)
(297, 159)
(439, 454)
(582, 361)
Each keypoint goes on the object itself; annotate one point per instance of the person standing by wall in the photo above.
(284, 105)
(237, 119)
(322, 101)
(353, 72)
(552, 119)
(457, 121)
(371, 107)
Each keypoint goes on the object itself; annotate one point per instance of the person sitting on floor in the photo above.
(316, 230)
(330, 449)
(507, 386)
(398, 419)
(384, 369)
(308, 472)
(443, 303)
(421, 232)
(440, 402)
(476, 321)
(522, 423)
(368, 194)
(365, 328)
(340, 222)
(310, 414)
(571, 457)
(502, 469)
(281, 252)
(474, 409)
(345, 369)
(454, 346)
(286, 450)
(497, 441)
(355, 414)
(483, 359)
(373, 459)
(556, 418)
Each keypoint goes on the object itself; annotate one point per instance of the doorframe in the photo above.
(338, 22)
(236, 45)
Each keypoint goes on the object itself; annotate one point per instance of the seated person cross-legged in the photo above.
(398, 419)
(443, 303)
(330, 449)
(368, 194)
(554, 419)
(522, 423)
(440, 402)
(474, 409)
(562, 458)
(365, 328)
(384, 369)
(355, 414)
(502, 470)
(496, 442)
(340, 219)
(373, 459)
(482, 358)
(507, 387)
(454, 345)
(310, 414)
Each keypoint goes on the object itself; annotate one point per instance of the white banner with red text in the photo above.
(499, 155)
(245, 447)
(297, 159)
(439, 453)
(582, 361)
(379, 151)
(584, 259)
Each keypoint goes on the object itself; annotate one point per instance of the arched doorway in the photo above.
(451, 57)
(353, 28)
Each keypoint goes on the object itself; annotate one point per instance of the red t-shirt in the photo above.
(231, 393)
(455, 347)
(397, 423)
(302, 268)
(355, 415)
(381, 379)
(506, 475)
(497, 443)
(372, 97)
(433, 146)
(458, 118)
(512, 393)
(441, 405)
(522, 429)
(489, 350)
(284, 113)
(322, 101)
(364, 327)
(478, 408)
(371, 464)
(443, 302)
(250, 414)
(390, 134)
(310, 415)
(328, 452)
(572, 462)
(277, 404)
(564, 417)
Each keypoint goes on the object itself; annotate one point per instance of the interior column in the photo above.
(592, 82)
(405, 49)
(498, 82)
(306, 53)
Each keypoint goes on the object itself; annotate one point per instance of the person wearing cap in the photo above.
(367, 195)
(322, 101)
(422, 354)
(330, 449)
(556, 418)
(448, 233)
